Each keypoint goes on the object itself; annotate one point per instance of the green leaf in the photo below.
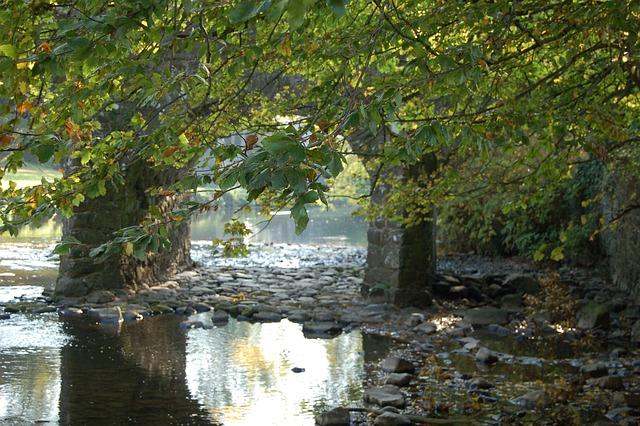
(557, 254)
(300, 217)
(338, 7)
(247, 9)
(297, 9)
(284, 146)
(8, 50)
(44, 152)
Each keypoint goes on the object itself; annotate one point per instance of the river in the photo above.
(153, 372)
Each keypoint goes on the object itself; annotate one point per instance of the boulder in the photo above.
(5, 316)
(425, 328)
(387, 395)
(397, 365)
(398, 379)
(336, 417)
(593, 315)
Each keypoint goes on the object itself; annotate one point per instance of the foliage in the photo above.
(234, 245)
(553, 219)
(522, 87)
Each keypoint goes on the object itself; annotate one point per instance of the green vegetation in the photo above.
(509, 97)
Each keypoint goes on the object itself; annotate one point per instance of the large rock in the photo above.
(337, 417)
(107, 315)
(398, 379)
(593, 315)
(387, 395)
(486, 316)
(396, 364)
(267, 316)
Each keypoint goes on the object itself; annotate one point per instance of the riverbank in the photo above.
(504, 342)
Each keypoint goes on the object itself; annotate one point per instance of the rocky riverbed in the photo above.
(503, 342)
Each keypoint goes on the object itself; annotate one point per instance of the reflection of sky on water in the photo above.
(336, 226)
(30, 368)
(247, 379)
(27, 257)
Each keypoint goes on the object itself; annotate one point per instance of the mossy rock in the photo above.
(160, 309)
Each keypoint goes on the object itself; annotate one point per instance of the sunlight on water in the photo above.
(30, 368)
(247, 378)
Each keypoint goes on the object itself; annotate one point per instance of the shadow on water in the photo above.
(135, 376)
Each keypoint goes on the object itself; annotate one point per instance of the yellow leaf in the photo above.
(128, 248)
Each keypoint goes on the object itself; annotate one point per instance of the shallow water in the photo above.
(153, 372)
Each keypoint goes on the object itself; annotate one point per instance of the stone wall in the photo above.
(621, 241)
(401, 260)
(96, 220)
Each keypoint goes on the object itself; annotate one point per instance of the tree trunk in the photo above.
(96, 220)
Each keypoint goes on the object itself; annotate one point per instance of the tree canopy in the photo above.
(508, 95)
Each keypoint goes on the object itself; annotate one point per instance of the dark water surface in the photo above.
(155, 373)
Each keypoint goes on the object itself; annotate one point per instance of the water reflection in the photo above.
(30, 369)
(130, 376)
(336, 226)
(242, 372)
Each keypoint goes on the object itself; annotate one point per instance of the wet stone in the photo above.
(321, 329)
(44, 309)
(107, 315)
(201, 307)
(398, 379)
(220, 317)
(71, 312)
(298, 316)
(336, 417)
(267, 316)
(191, 324)
(425, 328)
(131, 315)
(5, 316)
(397, 365)
(523, 283)
(387, 395)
